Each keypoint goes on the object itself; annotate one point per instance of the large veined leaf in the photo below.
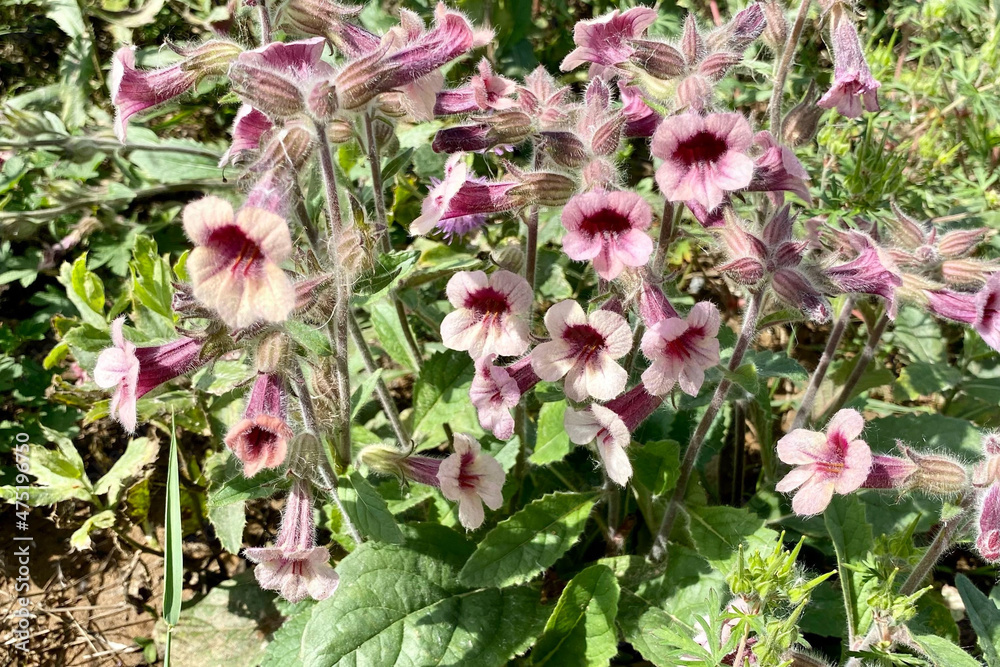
(404, 605)
(441, 395)
(581, 629)
(552, 443)
(719, 531)
(531, 540)
(852, 539)
(943, 653)
(139, 453)
(985, 619)
(368, 510)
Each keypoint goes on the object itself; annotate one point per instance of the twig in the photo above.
(783, 66)
(804, 413)
(388, 405)
(865, 358)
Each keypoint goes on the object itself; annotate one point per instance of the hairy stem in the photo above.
(859, 369)
(659, 550)
(378, 189)
(802, 417)
(781, 74)
(388, 405)
(265, 22)
(663, 241)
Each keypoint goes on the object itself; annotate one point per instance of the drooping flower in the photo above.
(611, 426)
(260, 439)
(653, 304)
(295, 566)
(489, 315)
(283, 79)
(608, 228)
(604, 41)
(134, 371)
(853, 83)
(134, 90)
(835, 461)
(640, 119)
(471, 478)
(681, 350)
(870, 272)
(704, 157)
(777, 170)
(489, 132)
(544, 99)
(583, 349)
(249, 127)
(496, 390)
(234, 266)
(486, 91)
(987, 322)
(988, 540)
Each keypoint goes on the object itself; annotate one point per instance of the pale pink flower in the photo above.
(681, 350)
(295, 566)
(608, 228)
(852, 79)
(835, 461)
(495, 390)
(134, 371)
(249, 127)
(260, 439)
(489, 315)
(988, 540)
(486, 91)
(471, 478)
(583, 349)
(437, 201)
(988, 312)
(704, 157)
(604, 41)
(611, 427)
(235, 265)
(640, 119)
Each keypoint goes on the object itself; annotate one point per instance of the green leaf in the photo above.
(943, 653)
(925, 379)
(403, 605)
(85, 290)
(58, 476)
(286, 645)
(309, 337)
(389, 270)
(151, 278)
(162, 166)
(86, 342)
(777, 365)
(657, 465)
(364, 392)
(852, 539)
(719, 531)
(919, 334)
(395, 164)
(984, 617)
(173, 567)
(552, 442)
(80, 539)
(227, 485)
(441, 395)
(229, 522)
(531, 540)
(139, 453)
(368, 510)
(581, 629)
(389, 334)
(933, 432)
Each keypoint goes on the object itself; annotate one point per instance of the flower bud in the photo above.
(509, 256)
(385, 136)
(211, 58)
(390, 461)
(339, 131)
(600, 173)
(316, 17)
(565, 148)
(971, 273)
(287, 147)
(802, 121)
(271, 353)
(608, 137)
(322, 101)
(305, 455)
(263, 88)
(798, 658)
(991, 443)
(776, 27)
(545, 188)
(503, 128)
(694, 93)
(391, 104)
(961, 242)
(986, 472)
(937, 474)
(657, 58)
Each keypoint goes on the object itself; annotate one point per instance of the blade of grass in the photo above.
(173, 561)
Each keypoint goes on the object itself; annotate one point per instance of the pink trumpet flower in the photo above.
(260, 439)
(681, 350)
(471, 478)
(489, 315)
(295, 566)
(704, 157)
(611, 426)
(583, 349)
(988, 540)
(835, 461)
(235, 265)
(486, 91)
(496, 390)
(605, 41)
(980, 309)
(853, 83)
(134, 371)
(608, 228)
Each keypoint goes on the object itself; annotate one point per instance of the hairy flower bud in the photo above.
(565, 148)
(499, 129)
(802, 121)
(988, 541)
(271, 353)
(776, 25)
(317, 17)
(657, 58)
(545, 188)
(798, 658)
(288, 147)
(937, 474)
(970, 273)
(263, 88)
(509, 256)
(322, 100)
(339, 132)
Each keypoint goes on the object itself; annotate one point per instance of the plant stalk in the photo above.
(867, 354)
(381, 390)
(663, 241)
(802, 417)
(659, 550)
(784, 65)
(378, 189)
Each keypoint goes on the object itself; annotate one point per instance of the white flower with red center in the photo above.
(704, 157)
(235, 265)
(681, 350)
(835, 461)
(583, 349)
(608, 228)
(490, 313)
(471, 478)
(435, 204)
(495, 390)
